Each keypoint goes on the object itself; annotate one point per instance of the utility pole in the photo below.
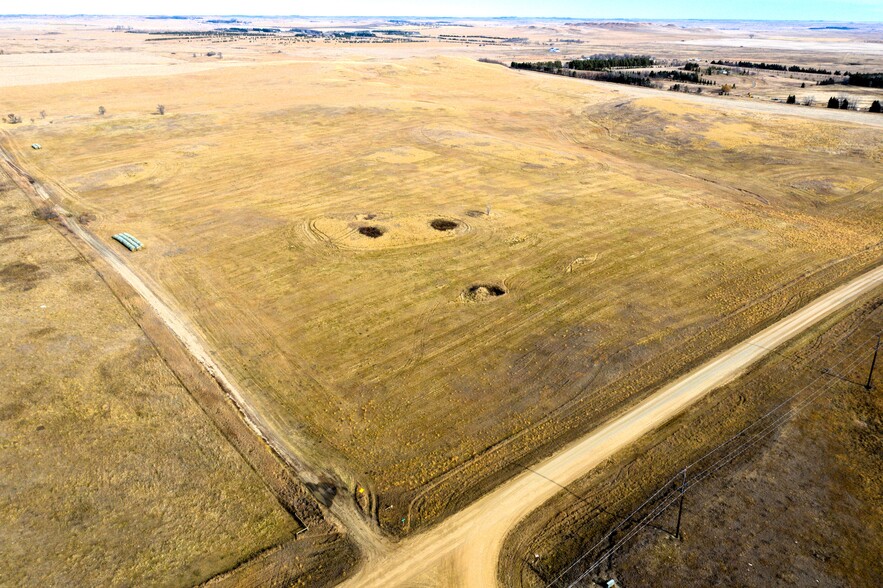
(873, 362)
(681, 504)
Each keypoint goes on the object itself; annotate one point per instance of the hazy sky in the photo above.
(865, 10)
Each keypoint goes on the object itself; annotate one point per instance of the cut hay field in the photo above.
(603, 244)
(112, 474)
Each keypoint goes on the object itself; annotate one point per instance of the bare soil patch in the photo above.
(483, 292)
(443, 224)
(22, 276)
(372, 232)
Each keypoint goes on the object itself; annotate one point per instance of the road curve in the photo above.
(464, 549)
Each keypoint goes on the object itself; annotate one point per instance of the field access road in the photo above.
(730, 104)
(464, 549)
(369, 541)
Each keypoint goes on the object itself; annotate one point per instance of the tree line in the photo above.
(774, 66)
(591, 64)
(845, 104)
(866, 80)
(681, 76)
(600, 63)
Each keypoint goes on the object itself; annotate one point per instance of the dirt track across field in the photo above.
(464, 550)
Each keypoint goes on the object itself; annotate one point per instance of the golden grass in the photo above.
(248, 193)
(112, 475)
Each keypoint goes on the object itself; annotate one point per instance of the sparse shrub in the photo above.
(101, 110)
(45, 213)
(726, 89)
(160, 109)
(85, 218)
(13, 119)
(809, 101)
(42, 114)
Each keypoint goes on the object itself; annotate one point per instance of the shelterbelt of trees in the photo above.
(865, 80)
(774, 66)
(648, 79)
(593, 63)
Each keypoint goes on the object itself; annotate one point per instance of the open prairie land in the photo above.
(112, 474)
(597, 244)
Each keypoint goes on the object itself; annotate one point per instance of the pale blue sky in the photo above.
(839, 10)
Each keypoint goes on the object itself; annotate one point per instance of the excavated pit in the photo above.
(483, 292)
(443, 224)
(372, 232)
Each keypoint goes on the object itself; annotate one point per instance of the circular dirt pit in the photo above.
(373, 232)
(443, 224)
(482, 292)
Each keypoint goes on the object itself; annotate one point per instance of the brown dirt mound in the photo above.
(373, 232)
(482, 292)
(443, 224)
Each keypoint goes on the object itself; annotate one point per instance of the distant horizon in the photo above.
(866, 11)
(163, 16)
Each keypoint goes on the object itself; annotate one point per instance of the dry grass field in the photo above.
(800, 507)
(628, 238)
(112, 474)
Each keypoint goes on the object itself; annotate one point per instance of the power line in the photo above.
(727, 458)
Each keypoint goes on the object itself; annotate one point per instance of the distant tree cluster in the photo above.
(546, 66)
(614, 77)
(774, 66)
(602, 62)
(841, 103)
(792, 99)
(683, 88)
(875, 107)
(619, 77)
(692, 66)
(866, 80)
(598, 67)
(681, 76)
